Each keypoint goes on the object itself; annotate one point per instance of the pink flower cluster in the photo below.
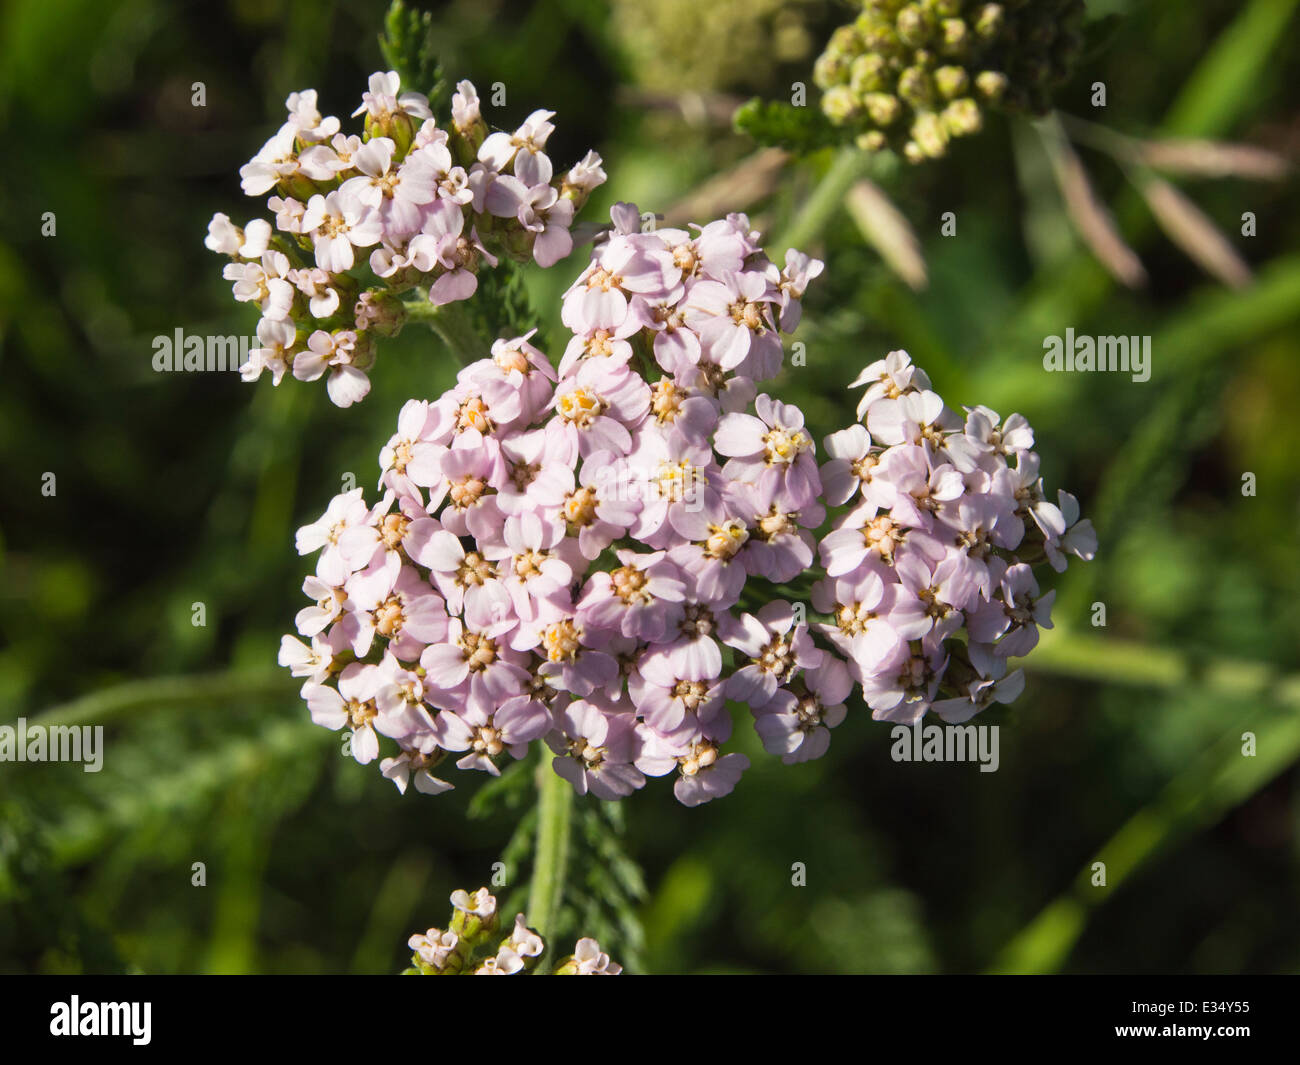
(404, 205)
(949, 521)
(559, 553)
(591, 555)
(470, 946)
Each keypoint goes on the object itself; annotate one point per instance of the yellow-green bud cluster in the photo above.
(912, 75)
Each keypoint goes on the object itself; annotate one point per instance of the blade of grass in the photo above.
(1196, 798)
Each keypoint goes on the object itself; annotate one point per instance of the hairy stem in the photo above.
(453, 326)
(550, 862)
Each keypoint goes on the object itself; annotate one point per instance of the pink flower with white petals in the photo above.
(337, 224)
(573, 661)
(466, 579)
(466, 475)
(707, 775)
(398, 192)
(484, 730)
(415, 765)
(277, 338)
(799, 272)
(275, 161)
(732, 315)
(539, 210)
(476, 657)
(596, 752)
(352, 704)
(442, 244)
(677, 483)
(264, 283)
(333, 353)
(796, 725)
(889, 378)
(596, 408)
(641, 598)
(345, 511)
(522, 150)
(668, 703)
(777, 648)
(1014, 617)
(384, 99)
(403, 609)
(771, 451)
(536, 564)
(306, 119)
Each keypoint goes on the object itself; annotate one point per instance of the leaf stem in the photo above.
(819, 209)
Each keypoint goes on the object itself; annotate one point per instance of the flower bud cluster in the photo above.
(912, 75)
(361, 218)
(472, 945)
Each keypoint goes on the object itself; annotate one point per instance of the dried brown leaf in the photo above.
(1192, 230)
(885, 228)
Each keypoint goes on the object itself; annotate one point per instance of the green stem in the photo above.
(1264, 701)
(1218, 781)
(550, 863)
(819, 210)
(1112, 661)
(453, 326)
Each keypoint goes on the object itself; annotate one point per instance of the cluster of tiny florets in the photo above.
(361, 218)
(929, 583)
(559, 553)
(471, 946)
(589, 554)
(914, 75)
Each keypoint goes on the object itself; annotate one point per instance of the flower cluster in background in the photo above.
(599, 555)
(361, 218)
(914, 74)
(470, 945)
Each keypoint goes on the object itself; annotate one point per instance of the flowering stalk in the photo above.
(601, 550)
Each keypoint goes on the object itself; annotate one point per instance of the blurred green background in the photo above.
(172, 490)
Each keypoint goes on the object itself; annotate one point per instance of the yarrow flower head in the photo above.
(408, 206)
(472, 945)
(560, 555)
(591, 557)
(929, 585)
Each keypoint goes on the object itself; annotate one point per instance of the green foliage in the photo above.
(605, 885)
(409, 47)
(776, 124)
(502, 306)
